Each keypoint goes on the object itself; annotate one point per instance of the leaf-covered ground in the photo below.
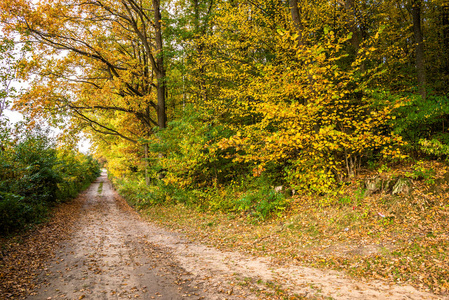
(23, 256)
(399, 239)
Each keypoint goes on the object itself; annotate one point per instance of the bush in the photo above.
(138, 194)
(191, 157)
(14, 212)
(262, 204)
(34, 175)
(423, 123)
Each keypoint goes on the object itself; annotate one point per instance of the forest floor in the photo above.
(99, 248)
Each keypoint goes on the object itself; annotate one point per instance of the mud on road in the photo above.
(114, 254)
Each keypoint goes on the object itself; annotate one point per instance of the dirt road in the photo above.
(113, 254)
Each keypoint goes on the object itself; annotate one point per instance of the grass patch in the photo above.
(100, 188)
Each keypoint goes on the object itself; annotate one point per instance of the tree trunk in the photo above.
(445, 22)
(200, 49)
(352, 24)
(294, 10)
(160, 71)
(147, 176)
(419, 47)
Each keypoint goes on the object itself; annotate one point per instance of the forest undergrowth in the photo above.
(368, 233)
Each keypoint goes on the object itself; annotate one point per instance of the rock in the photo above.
(278, 189)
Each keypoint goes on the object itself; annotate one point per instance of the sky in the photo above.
(13, 116)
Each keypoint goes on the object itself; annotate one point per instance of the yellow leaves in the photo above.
(371, 49)
(313, 134)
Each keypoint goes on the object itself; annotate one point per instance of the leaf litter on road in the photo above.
(24, 255)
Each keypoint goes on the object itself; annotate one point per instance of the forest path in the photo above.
(114, 254)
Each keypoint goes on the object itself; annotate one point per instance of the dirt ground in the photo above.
(114, 254)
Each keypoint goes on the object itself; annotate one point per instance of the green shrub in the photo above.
(14, 212)
(190, 153)
(423, 123)
(436, 147)
(262, 204)
(34, 175)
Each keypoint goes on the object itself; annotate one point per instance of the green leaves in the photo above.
(34, 175)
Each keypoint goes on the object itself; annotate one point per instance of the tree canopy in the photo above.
(306, 93)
